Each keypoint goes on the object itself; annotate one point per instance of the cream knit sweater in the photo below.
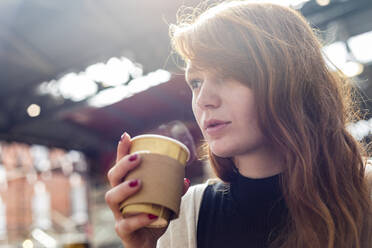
(181, 232)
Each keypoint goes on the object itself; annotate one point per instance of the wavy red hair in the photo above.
(303, 110)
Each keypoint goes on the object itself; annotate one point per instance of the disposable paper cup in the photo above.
(161, 172)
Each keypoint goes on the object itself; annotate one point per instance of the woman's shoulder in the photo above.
(181, 232)
(195, 193)
(198, 190)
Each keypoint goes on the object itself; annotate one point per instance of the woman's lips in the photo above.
(216, 129)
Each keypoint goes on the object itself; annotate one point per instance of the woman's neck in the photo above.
(260, 163)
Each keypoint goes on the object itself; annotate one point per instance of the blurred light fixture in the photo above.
(45, 239)
(115, 72)
(3, 178)
(48, 88)
(3, 220)
(28, 244)
(352, 68)
(31, 177)
(116, 94)
(75, 180)
(40, 156)
(323, 2)
(360, 46)
(80, 86)
(339, 56)
(78, 160)
(152, 79)
(76, 87)
(109, 96)
(336, 54)
(96, 72)
(79, 207)
(41, 206)
(360, 129)
(33, 110)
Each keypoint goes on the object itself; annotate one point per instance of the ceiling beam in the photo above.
(337, 11)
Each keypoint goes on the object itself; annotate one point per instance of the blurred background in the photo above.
(74, 75)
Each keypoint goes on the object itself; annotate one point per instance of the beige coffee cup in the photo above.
(161, 172)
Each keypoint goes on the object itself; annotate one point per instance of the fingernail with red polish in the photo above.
(133, 183)
(133, 157)
(187, 180)
(152, 217)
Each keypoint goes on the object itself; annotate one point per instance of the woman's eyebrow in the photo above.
(189, 72)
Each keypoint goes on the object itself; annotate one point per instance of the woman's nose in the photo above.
(208, 96)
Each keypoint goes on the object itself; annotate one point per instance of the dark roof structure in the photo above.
(41, 41)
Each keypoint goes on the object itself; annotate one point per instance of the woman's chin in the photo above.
(223, 153)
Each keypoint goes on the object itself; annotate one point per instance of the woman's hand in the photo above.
(131, 230)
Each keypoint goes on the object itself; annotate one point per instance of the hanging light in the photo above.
(323, 2)
(33, 110)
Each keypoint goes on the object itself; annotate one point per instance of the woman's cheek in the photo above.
(197, 114)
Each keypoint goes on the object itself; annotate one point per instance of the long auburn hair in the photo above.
(303, 109)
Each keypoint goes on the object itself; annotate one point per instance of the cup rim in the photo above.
(166, 138)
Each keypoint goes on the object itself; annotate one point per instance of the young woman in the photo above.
(273, 117)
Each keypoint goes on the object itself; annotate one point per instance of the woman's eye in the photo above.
(195, 83)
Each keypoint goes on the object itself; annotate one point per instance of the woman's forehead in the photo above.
(191, 69)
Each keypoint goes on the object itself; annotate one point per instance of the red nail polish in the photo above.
(133, 157)
(187, 180)
(133, 183)
(152, 217)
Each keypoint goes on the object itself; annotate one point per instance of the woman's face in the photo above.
(226, 113)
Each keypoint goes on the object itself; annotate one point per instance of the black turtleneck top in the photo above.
(245, 213)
